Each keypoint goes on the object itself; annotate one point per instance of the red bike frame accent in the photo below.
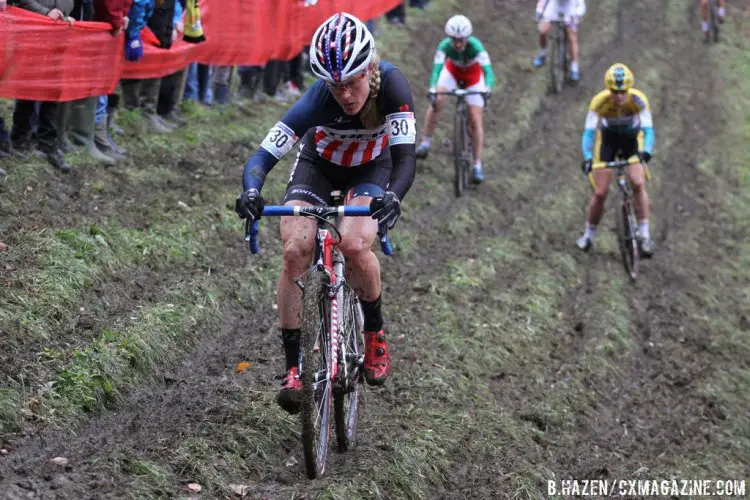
(328, 245)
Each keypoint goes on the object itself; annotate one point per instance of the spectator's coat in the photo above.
(44, 6)
(111, 11)
(139, 14)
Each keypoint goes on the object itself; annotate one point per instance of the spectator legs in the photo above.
(23, 118)
(271, 79)
(222, 81)
(145, 94)
(205, 92)
(170, 97)
(149, 97)
(102, 138)
(131, 93)
(82, 116)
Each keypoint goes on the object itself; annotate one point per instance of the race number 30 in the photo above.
(402, 128)
(280, 140)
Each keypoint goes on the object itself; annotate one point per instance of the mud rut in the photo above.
(197, 396)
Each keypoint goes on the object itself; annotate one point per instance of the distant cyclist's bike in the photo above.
(713, 20)
(627, 227)
(331, 354)
(462, 151)
(559, 61)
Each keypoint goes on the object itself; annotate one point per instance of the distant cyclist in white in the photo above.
(548, 11)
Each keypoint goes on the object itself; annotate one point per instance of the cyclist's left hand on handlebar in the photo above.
(645, 156)
(386, 209)
(249, 204)
(586, 166)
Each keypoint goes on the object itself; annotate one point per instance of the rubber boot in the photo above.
(113, 127)
(62, 122)
(104, 142)
(82, 117)
(149, 94)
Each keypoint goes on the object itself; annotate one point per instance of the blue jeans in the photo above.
(198, 84)
(101, 108)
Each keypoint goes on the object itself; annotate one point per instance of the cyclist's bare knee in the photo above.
(638, 185)
(357, 233)
(440, 99)
(600, 193)
(298, 253)
(298, 239)
(475, 116)
(355, 245)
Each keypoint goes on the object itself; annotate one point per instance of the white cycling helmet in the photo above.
(458, 27)
(341, 48)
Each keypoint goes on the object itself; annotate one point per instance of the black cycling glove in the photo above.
(386, 209)
(250, 204)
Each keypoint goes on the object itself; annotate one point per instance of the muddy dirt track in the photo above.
(606, 384)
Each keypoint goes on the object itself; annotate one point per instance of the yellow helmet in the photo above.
(618, 77)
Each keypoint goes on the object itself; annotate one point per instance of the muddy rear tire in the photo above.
(346, 403)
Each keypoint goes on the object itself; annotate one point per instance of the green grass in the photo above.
(721, 305)
(481, 321)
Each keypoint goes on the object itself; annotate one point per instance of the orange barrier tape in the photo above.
(45, 60)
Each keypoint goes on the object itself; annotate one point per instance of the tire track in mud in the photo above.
(649, 409)
(658, 400)
(200, 379)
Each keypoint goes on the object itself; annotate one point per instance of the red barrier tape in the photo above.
(46, 60)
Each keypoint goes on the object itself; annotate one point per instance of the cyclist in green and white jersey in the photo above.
(460, 62)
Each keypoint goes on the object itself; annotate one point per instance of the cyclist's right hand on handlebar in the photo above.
(250, 204)
(586, 166)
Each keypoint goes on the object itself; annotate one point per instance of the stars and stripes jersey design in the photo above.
(351, 148)
(343, 140)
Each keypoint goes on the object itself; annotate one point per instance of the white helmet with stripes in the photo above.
(458, 27)
(342, 47)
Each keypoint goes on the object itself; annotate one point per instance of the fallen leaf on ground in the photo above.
(241, 367)
(62, 461)
(240, 489)
(194, 487)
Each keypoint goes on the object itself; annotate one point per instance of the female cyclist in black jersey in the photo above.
(356, 133)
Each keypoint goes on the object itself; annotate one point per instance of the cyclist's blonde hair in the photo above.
(370, 115)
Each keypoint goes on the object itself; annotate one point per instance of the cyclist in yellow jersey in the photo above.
(704, 16)
(618, 124)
